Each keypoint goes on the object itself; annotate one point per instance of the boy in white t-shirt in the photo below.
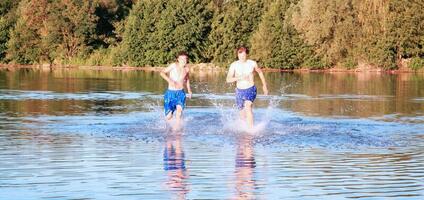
(241, 71)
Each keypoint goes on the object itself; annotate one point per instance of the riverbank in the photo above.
(211, 67)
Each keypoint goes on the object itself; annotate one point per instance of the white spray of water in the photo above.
(262, 120)
(166, 126)
(228, 116)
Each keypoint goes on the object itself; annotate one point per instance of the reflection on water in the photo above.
(58, 92)
(87, 134)
(244, 169)
(174, 165)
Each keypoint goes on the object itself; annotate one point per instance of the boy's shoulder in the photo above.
(235, 63)
(172, 64)
(251, 62)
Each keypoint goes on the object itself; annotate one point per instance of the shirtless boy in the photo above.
(177, 75)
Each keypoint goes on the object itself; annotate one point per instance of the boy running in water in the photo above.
(241, 71)
(174, 97)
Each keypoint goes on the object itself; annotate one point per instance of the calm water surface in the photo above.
(87, 134)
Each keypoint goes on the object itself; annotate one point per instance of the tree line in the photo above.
(287, 34)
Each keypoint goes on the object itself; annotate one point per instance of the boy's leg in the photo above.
(248, 113)
(179, 112)
(168, 105)
(168, 116)
(240, 105)
(168, 125)
(178, 115)
(242, 114)
(180, 103)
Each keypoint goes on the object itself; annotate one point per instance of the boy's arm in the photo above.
(230, 75)
(188, 85)
(262, 77)
(166, 77)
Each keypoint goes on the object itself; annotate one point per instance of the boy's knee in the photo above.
(179, 110)
(248, 104)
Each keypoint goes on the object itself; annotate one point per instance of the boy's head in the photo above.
(182, 57)
(242, 52)
(242, 49)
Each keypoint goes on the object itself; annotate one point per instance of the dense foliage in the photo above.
(280, 33)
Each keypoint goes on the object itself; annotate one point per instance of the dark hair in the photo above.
(182, 53)
(242, 49)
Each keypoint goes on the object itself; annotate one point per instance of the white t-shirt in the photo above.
(244, 69)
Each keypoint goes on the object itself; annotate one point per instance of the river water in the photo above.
(100, 134)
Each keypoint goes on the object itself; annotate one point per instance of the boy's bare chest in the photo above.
(178, 73)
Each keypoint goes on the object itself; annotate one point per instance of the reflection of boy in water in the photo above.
(174, 165)
(241, 71)
(245, 163)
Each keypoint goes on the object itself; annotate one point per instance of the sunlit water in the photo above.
(81, 134)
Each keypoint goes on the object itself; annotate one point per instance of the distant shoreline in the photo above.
(204, 66)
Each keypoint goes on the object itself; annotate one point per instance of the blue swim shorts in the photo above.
(172, 98)
(172, 160)
(248, 162)
(242, 95)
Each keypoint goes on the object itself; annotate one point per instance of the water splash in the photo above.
(214, 118)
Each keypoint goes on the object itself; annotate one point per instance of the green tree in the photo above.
(233, 25)
(111, 14)
(276, 43)
(8, 18)
(49, 30)
(406, 28)
(329, 26)
(373, 44)
(71, 28)
(157, 29)
(24, 45)
(4, 37)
